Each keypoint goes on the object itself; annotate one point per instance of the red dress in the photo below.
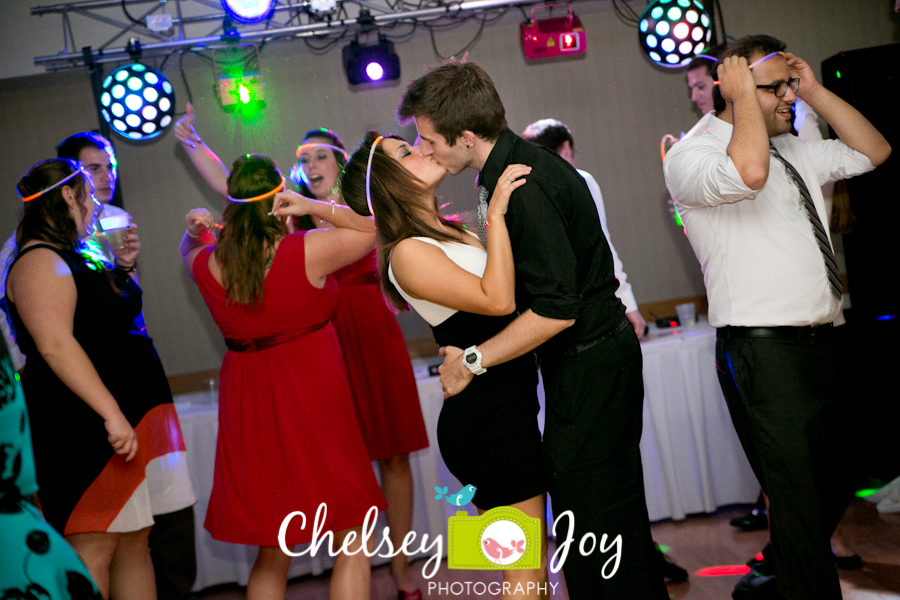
(288, 439)
(381, 377)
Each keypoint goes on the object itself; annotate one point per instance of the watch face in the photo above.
(471, 358)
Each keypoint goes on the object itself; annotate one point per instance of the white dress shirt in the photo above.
(699, 127)
(624, 292)
(760, 261)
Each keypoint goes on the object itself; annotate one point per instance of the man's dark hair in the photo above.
(456, 97)
(72, 146)
(549, 133)
(748, 47)
(753, 45)
(703, 61)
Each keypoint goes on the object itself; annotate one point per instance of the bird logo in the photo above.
(460, 498)
(496, 551)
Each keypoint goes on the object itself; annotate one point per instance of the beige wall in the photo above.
(615, 101)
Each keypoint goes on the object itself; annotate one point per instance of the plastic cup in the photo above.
(114, 230)
(686, 314)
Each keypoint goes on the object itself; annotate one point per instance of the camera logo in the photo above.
(501, 538)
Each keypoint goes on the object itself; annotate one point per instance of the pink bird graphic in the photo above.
(493, 549)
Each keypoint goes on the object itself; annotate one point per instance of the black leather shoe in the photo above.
(848, 562)
(755, 520)
(668, 569)
(756, 586)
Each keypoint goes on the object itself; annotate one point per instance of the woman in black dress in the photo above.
(108, 447)
(488, 435)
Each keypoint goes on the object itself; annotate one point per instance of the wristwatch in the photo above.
(472, 360)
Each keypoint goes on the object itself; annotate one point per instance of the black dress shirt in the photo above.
(564, 269)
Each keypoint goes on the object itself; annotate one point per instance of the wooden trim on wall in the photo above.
(651, 311)
(198, 381)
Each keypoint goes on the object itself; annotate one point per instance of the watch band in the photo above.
(472, 360)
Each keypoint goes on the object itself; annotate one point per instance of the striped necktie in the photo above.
(482, 214)
(834, 276)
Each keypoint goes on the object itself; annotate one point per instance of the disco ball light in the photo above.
(249, 11)
(137, 101)
(673, 32)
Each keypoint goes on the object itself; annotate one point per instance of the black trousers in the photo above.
(172, 551)
(783, 399)
(593, 468)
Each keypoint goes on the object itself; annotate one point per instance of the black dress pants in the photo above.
(172, 551)
(592, 463)
(783, 398)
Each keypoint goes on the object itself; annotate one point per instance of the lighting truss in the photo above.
(202, 24)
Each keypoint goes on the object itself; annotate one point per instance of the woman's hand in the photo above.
(184, 129)
(508, 182)
(291, 204)
(127, 255)
(198, 222)
(121, 436)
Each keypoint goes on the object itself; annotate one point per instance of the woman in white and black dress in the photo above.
(488, 434)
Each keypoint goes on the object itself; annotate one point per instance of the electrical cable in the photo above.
(130, 18)
(464, 49)
(187, 88)
(721, 20)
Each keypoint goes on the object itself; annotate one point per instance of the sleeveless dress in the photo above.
(488, 434)
(36, 560)
(384, 389)
(84, 485)
(288, 437)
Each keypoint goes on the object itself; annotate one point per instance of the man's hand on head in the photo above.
(455, 377)
(802, 71)
(736, 81)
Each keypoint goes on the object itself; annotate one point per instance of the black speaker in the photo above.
(869, 79)
(869, 352)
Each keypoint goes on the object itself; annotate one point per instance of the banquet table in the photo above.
(693, 462)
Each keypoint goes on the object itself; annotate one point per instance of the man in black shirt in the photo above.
(565, 292)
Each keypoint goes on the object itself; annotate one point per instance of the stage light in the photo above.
(137, 101)
(673, 32)
(553, 36)
(248, 11)
(368, 64)
(239, 83)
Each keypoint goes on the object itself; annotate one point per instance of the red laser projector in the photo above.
(553, 36)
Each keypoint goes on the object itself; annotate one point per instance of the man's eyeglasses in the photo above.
(781, 88)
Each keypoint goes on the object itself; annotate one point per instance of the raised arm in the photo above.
(749, 146)
(851, 127)
(328, 250)
(425, 272)
(43, 289)
(197, 235)
(204, 159)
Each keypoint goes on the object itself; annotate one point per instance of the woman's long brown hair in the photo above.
(397, 213)
(46, 218)
(248, 237)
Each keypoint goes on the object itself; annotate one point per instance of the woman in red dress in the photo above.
(288, 438)
(386, 400)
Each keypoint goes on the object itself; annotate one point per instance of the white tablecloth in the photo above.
(692, 459)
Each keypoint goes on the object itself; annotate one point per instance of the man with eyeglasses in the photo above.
(749, 196)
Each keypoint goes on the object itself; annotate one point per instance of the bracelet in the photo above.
(191, 235)
(124, 269)
(332, 208)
